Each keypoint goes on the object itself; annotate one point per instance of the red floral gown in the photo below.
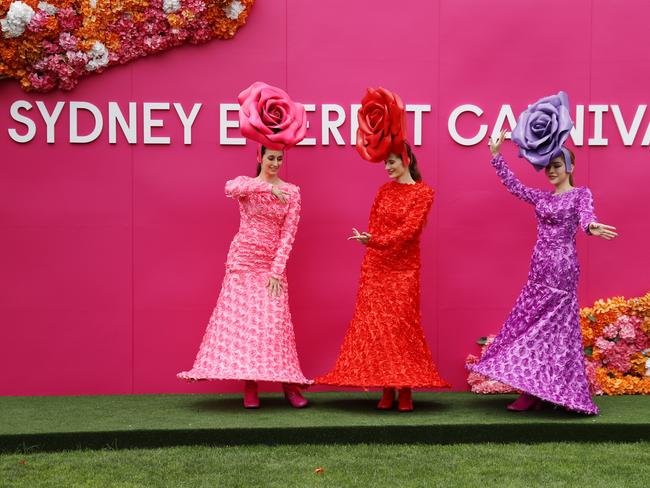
(385, 345)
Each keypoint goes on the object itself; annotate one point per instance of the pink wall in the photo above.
(112, 255)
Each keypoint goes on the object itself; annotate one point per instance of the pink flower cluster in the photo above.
(62, 63)
(592, 378)
(619, 341)
(482, 384)
(65, 40)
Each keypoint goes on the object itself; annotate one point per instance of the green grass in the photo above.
(128, 412)
(480, 465)
(59, 423)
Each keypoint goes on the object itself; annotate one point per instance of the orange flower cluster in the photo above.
(53, 43)
(616, 384)
(598, 325)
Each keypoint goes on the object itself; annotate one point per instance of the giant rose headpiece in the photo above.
(269, 116)
(382, 126)
(542, 130)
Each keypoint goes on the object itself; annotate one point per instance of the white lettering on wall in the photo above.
(332, 126)
(150, 123)
(598, 139)
(332, 118)
(115, 117)
(308, 141)
(226, 124)
(628, 135)
(453, 131)
(75, 138)
(50, 119)
(417, 110)
(578, 131)
(21, 119)
(187, 121)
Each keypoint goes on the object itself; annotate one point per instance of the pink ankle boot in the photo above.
(525, 402)
(251, 400)
(387, 399)
(293, 395)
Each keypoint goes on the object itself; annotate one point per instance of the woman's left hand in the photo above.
(362, 237)
(275, 287)
(601, 230)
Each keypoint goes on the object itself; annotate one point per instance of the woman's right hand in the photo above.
(274, 286)
(280, 194)
(496, 144)
(362, 237)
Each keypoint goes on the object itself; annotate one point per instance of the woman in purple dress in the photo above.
(539, 348)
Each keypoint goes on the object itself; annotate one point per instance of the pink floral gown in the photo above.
(250, 335)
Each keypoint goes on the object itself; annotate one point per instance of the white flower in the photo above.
(48, 8)
(17, 18)
(234, 10)
(171, 6)
(97, 57)
(93, 3)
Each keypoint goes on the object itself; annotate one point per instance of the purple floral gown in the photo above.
(539, 347)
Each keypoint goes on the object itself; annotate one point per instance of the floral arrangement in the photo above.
(616, 339)
(482, 384)
(50, 44)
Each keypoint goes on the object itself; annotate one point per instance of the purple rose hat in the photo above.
(542, 130)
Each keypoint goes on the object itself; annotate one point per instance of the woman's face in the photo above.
(394, 166)
(272, 162)
(556, 171)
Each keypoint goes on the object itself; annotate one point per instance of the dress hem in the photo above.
(527, 390)
(442, 384)
(192, 378)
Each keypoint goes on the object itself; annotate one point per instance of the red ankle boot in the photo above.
(293, 395)
(525, 402)
(251, 400)
(404, 400)
(387, 399)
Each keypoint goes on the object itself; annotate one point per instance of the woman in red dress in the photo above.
(385, 345)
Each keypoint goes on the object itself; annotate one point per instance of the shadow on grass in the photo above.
(368, 406)
(235, 405)
(481, 408)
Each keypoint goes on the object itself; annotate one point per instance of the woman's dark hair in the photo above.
(413, 165)
(573, 163)
(259, 163)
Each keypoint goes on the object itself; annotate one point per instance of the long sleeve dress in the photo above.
(539, 348)
(385, 344)
(250, 334)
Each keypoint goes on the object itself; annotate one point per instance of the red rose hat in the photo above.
(382, 126)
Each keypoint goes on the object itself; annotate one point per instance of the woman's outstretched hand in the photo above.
(362, 237)
(496, 144)
(280, 194)
(275, 287)
(601, 230)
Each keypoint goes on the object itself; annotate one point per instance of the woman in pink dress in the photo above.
(250, 335)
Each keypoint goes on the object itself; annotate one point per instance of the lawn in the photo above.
(410, 465)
